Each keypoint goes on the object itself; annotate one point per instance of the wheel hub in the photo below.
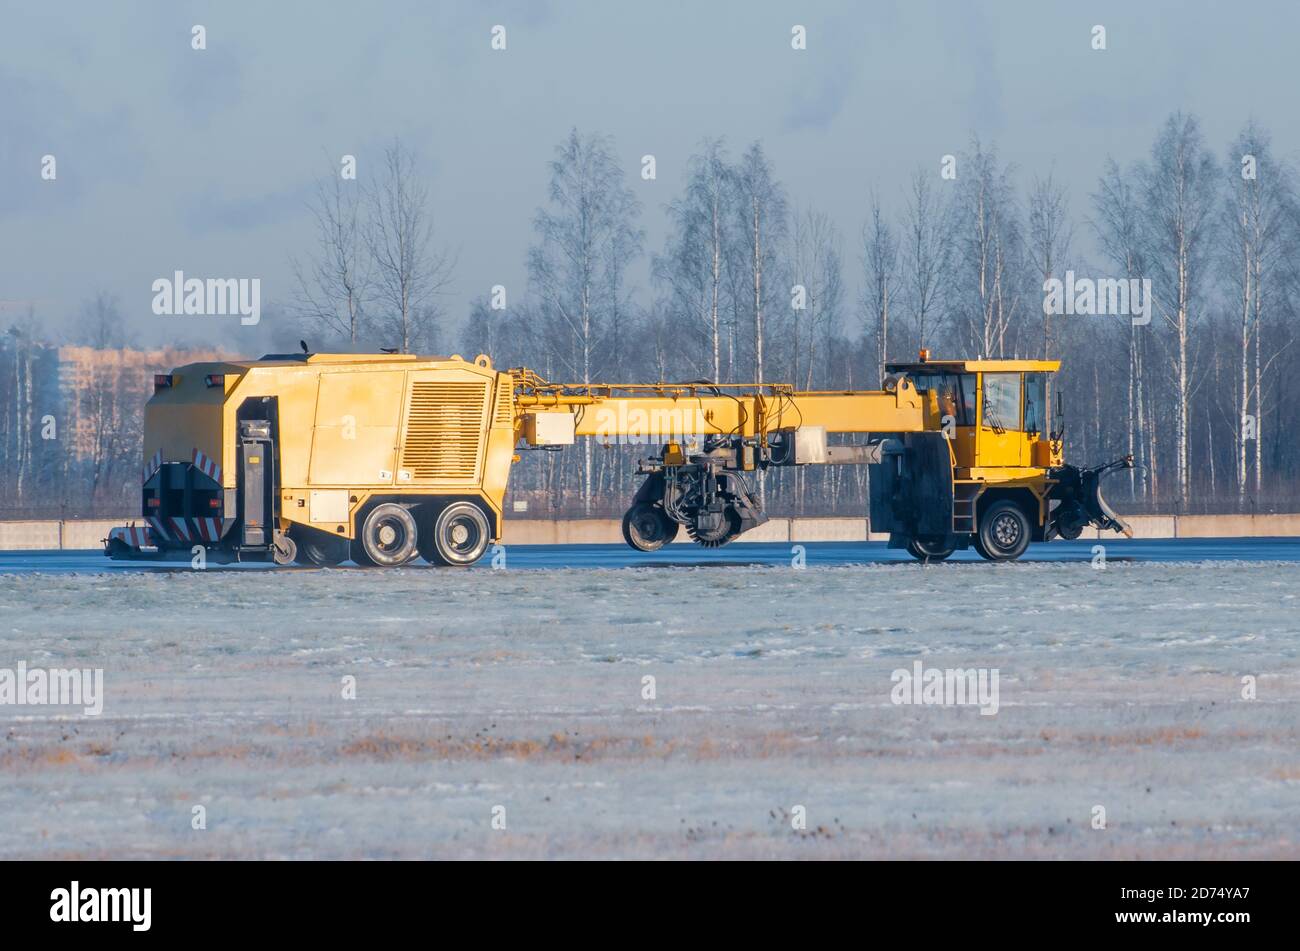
(1006, 531)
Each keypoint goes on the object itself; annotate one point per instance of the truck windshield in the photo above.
(955, 393)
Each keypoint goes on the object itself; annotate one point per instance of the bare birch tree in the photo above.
(815, 263)
(1178, 187)
(1257, 215)
(988, 252)
(333, 285)
(761, 209)
(587, 235)
(1118, 227)
(692, 266)
(1049, 237)
(926, 253)
(880, 265)
(409, 273)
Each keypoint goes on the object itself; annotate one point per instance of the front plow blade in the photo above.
(1099, 511)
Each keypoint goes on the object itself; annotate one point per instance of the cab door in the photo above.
(1002, 442)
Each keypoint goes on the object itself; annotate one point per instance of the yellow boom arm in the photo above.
(553, 414)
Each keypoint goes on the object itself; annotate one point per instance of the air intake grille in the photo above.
(444, 430)
(504, 415)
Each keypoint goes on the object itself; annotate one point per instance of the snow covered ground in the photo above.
(523, 689)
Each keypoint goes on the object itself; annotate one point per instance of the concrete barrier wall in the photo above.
(88, 533)
(1238, 526)
(21, 536)
(84, 534)
(1147, 526)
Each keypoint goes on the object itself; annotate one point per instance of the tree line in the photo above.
(751, 285)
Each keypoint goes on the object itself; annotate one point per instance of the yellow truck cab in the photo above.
(987, 471)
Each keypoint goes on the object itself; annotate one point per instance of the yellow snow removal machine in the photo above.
(317, 458)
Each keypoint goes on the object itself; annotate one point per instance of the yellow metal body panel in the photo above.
(354, 439)
(1004, 475)
(1006, 449)
(391, 425)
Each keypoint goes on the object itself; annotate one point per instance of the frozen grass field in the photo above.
(522, 688)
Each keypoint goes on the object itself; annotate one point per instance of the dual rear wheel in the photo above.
(455, 535)
(391, 535)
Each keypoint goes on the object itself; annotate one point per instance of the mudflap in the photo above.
(911, 489)
(931, 460)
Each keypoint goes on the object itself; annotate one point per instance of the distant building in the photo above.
(102, 392)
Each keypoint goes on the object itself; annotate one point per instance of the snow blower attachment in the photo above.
(1080, 502)
(705, 492)
(382, 458)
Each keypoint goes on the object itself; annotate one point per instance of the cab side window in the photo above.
(1001, 401)
(1036, 402)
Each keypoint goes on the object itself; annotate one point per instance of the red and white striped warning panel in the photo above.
(136, 536)
(152, 466)
(188, 529)
(207, 465)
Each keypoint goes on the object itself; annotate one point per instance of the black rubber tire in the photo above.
(647, 527)
(455, 535)
(926, 551)
(319, 549)
(1003, 532)
(729, 530)
(284, 550)
(387, 537)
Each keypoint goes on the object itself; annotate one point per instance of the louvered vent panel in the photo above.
(504, 415)
(444, 428)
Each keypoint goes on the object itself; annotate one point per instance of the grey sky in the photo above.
(171, 158)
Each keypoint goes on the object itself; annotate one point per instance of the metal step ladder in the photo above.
(963, 506)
